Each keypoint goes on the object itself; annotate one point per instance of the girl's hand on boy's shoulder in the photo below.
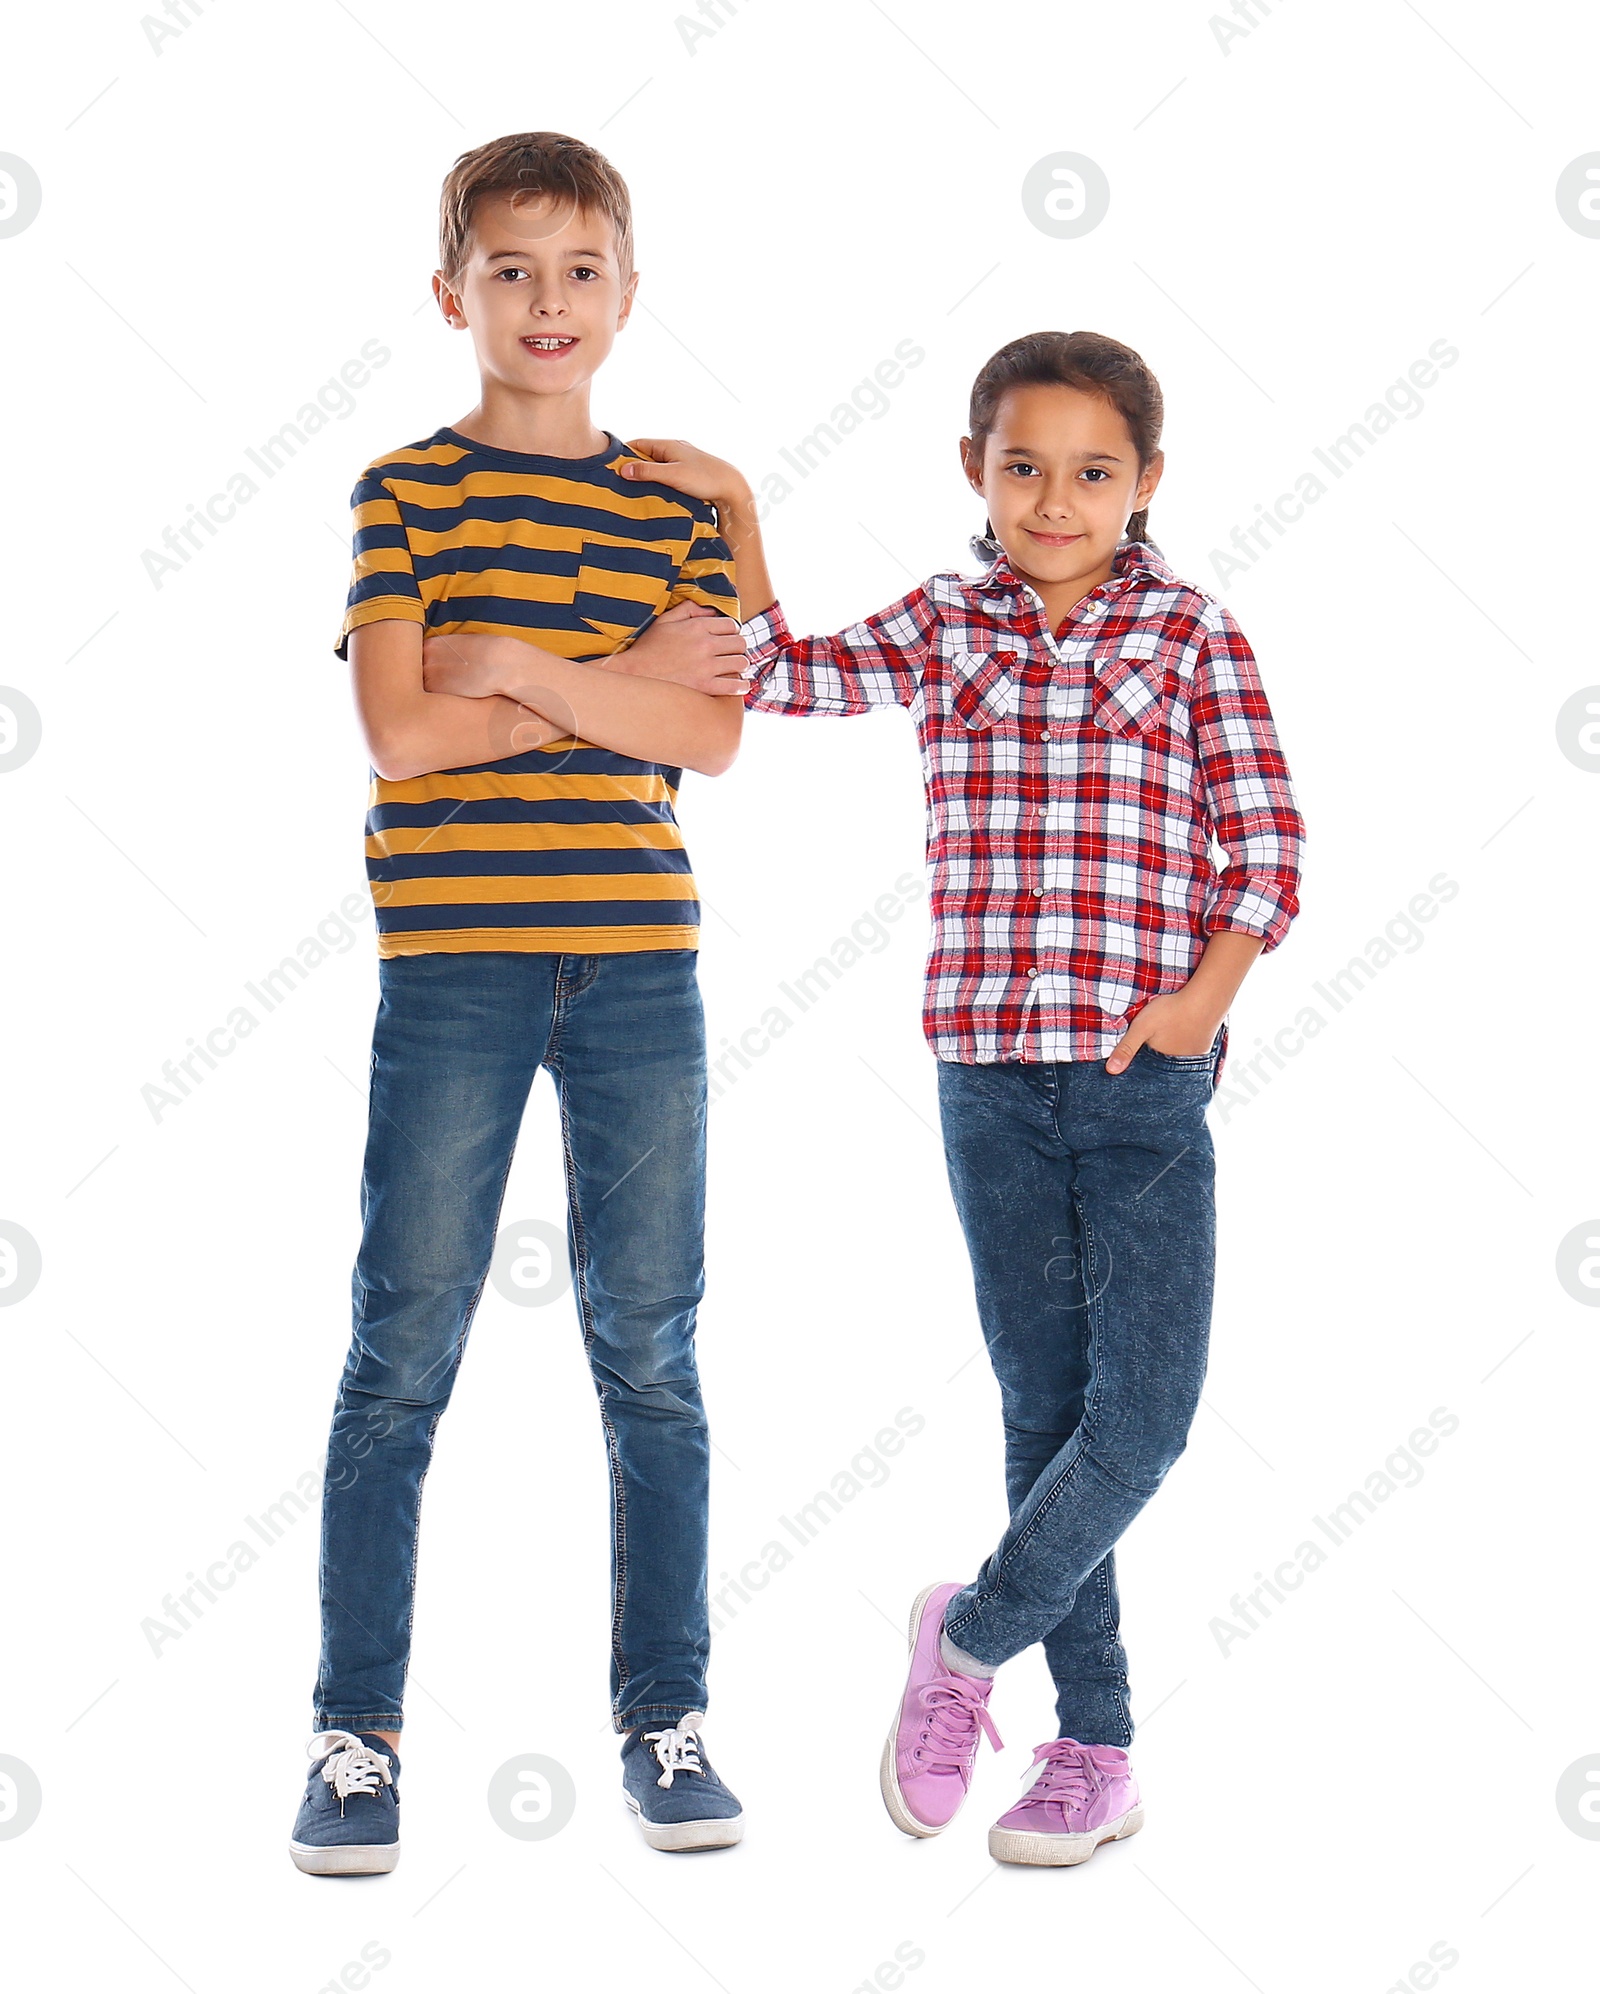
(673, 462)
(1173, 1024)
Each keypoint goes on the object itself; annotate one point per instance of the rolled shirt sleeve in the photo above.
(875, 663)
(1248, 795)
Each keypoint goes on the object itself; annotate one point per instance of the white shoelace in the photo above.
(677, 1750)
(351, 1767)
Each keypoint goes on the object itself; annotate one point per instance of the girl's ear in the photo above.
(972, 464)
(1149, 478)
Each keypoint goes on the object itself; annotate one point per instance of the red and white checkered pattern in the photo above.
(1075, 784)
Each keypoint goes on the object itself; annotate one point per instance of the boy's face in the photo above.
(541, 292)
(1061, 478)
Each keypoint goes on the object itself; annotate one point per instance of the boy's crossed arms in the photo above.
(429, 703)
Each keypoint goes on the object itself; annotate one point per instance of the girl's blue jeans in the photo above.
(1087, 1202)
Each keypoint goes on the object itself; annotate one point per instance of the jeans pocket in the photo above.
(1189, 1062)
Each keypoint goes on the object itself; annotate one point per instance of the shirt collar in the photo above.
(1136, 564)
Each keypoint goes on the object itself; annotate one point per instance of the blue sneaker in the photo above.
(669, 1784)
(349, 1821)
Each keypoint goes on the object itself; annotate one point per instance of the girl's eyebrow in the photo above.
(1083, 456)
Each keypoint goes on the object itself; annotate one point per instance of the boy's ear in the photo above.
(972, 464)
(628, 290)
(449, 300)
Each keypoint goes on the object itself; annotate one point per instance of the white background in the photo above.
(1295, 218)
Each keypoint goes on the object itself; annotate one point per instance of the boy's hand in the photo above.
(471, 664)
(1176, 1024)
(679, 464)
(693, 646)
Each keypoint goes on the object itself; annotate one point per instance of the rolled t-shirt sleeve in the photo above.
(383, 581)
(707, 574)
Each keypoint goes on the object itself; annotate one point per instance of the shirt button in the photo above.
(1033, 972)
(1045, 734)
(1038, 893)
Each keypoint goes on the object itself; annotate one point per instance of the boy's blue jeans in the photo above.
(1086, 1199)
(458, 1041)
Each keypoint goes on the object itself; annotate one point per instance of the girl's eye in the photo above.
(1096, 471)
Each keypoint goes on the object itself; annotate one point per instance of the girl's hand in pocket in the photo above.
(1174, 1024)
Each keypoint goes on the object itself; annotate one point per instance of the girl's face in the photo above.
(1061, 479)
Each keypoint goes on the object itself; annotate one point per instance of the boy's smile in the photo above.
(1061, 479)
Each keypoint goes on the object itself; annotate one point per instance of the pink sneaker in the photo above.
(1085, 1795)
(927, 1761)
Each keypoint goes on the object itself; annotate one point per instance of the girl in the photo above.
(1089, 724)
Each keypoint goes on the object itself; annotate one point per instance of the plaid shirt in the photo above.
(1075, 784)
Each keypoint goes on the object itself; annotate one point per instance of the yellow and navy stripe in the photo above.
(568, 847)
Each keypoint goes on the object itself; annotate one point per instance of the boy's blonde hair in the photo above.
(532, 163)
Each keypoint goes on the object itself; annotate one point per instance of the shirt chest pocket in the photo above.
(1132, 691)
(983, 687)
(619, 589)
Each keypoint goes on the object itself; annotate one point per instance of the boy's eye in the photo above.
(1024, 470)
(584, 270)
(511, 271)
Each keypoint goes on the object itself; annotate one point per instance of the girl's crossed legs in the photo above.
(1087, 1203)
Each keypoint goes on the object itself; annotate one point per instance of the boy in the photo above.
(534, 908)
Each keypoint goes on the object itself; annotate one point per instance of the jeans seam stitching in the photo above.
(1068, 1475)
(618, 1495)
(433, 1428)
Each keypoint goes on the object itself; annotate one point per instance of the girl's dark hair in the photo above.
(1087, 360)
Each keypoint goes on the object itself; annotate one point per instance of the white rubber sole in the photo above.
(888, 1772)
(1057, 1851)
(357, 1859)
(677, 1836)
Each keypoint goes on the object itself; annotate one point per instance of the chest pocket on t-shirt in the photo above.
(1130, 690)
(619, 589)
(983, 686)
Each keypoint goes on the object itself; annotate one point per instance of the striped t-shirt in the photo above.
(569, 847)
